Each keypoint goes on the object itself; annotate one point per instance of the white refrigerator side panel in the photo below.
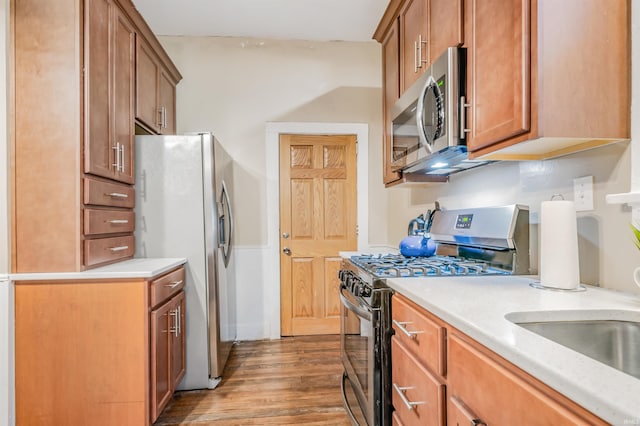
(169, 215)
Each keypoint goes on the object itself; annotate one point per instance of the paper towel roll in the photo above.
(559, 264)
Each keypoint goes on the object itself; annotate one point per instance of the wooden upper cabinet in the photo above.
(414, 45)
(167, 98)
(498, 79)
(109, 87)
(445, 26)
(531, 72)
(156, 92)
(123, 94)
(391, 93)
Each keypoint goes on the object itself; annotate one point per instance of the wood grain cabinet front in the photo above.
(74, 79)
(155, 92)
(530, 84)
(418, 396)
(420, 334)
(95, 352)
(472, 385)
(484, 387)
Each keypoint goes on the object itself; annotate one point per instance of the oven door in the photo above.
(357, 346)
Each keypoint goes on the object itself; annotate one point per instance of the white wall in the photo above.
(234, 87)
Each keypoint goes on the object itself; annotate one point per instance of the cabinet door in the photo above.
(123, 94)
(445, 26)
(161, 389)
(391, 93)
(483, 382)
(414, 52)
(178, 343)
(167, 104)
(498, 82)
(146, 86)
(99, 155)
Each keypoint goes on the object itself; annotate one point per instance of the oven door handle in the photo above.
(358, 310)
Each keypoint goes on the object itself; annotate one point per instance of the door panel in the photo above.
(318, 217)
(498, 81)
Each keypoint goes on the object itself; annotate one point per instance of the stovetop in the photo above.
(396, 266)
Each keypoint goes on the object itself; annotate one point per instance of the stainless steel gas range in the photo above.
(480, 241)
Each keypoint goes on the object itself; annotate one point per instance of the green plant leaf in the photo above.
(636, 234)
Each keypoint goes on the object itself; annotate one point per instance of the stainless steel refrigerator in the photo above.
(183, 209)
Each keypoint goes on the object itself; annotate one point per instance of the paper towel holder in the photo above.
(539, 286)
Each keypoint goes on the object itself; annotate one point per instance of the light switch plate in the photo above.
(583, 193)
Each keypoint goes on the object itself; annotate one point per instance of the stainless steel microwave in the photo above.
(428, 131)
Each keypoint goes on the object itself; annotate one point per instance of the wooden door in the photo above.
(317, 220)
(498, 38)
(123, 94)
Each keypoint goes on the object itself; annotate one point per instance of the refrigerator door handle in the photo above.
(225, 240)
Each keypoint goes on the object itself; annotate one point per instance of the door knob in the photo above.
(287, 251)
(285, 235)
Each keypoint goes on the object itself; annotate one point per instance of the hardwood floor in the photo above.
(291, 381)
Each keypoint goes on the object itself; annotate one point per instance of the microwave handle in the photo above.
(463, 117)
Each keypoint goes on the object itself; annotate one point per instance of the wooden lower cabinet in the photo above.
(478, 386)
(417, 395)
(167, 351)
(483, 386)
(83, 351)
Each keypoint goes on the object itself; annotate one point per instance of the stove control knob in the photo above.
(366, 291)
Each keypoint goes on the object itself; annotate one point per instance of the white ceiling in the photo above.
(324, 20)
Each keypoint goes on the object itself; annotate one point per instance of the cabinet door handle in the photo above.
(164, 117)
(179, 317)
(118, 221)
(409, 404)
(122, 161)
(463, 117)
(420, 43)
(119, 248)
(174, 284)
(159, 117)
(415, 56)
(401, 327)
(116, 195)
(116, 148)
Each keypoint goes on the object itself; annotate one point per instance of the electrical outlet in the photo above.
(583, 193)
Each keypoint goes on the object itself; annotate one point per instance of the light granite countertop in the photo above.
(479, 307)
(132, 268)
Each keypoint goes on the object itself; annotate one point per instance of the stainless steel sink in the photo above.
(613, 342)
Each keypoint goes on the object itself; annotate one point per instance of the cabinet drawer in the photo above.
(419, 334)
(414, 386)
(166, 286)
(101, 193)
(108, 221)
(103, 250)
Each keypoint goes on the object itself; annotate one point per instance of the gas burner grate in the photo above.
(395, 266)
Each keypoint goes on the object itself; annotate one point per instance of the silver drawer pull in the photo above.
(409, 334)
(409, 404)
(118, 221)
(117, 195)
(119, 248)
(173, 284)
